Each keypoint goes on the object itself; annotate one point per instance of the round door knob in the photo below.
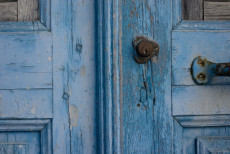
(145, 49)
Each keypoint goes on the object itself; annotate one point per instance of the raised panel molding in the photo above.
(109, 81)
(211, 145)
(203, 121)
(42, 126)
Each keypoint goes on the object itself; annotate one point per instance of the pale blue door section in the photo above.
(47, 77)
(25, 80)
(200, 79)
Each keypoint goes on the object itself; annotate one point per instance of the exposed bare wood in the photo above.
(8, 11)
(216, 10)
(192, 10)
(28, 10)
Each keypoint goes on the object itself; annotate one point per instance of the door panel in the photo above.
(187, 45)
(29, 60)
(201, 112)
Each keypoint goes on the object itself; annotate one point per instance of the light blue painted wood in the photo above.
(196, 108)
(27, 60)
(20, 142)
(109, 76)
(204, 121)
(26, 103)
(200, 100)
(18, 135)
(22, 26)
(62, 45)
(81, 78)
(147, 128)
(187, 45)
(202, 25)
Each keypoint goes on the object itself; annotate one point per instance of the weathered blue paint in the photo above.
(201, 113)
(48, 80)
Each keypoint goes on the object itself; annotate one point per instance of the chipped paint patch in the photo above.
(73, 111)
(49, 58)
(33, 110)
(83, 71)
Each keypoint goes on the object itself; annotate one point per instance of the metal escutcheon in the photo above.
(145, 49)
(203, 70)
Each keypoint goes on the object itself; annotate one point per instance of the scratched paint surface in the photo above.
(147, 121)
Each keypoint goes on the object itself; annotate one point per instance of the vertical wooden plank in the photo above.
(82, 78)
(62, 45)
(163, 121)
(8, 11)
(28, 10)
(138, 116)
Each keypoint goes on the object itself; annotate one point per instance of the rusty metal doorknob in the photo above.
(145, 49)
(203, 70)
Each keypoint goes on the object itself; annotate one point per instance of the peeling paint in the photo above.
(83, 71)
(73, 111)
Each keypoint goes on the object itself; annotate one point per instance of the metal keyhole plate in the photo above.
(145, 49)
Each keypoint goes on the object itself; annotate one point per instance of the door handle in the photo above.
(203, 70)
(145, 49)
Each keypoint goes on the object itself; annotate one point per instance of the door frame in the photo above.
(109, 77)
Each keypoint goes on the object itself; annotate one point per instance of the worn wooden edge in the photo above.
(46, 138)
(110, 81)
(202, 25)
(204, 121)
(22, 26)
(23, 125)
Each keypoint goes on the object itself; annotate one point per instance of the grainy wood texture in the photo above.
(81, 85)
(205, 10)
(62, 45)
(216, 10)
(8, 11)
(192, 9)
(28, 10)
(147, 125)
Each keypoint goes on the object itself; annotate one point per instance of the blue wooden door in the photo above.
(156, 107)
(47, 79)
